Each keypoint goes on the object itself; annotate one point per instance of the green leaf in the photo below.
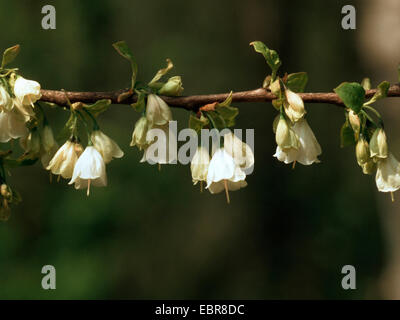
(160, 73)
(140, 103)
(196, 123)
(228, 113)
(227, 101)
(381, 92)
(297, 81)
(352, 95)
(271, 56)
(68, 128)
(9, 55)
(123, 49)
(98, 107)
(217, 121)
(346, 135)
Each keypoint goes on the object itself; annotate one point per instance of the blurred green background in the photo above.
(151, 234)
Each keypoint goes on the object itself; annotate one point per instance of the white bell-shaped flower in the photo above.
(157, 111)
(27, 91)
(223, 173)
(239, 150)
(139, 133)
(388, 174)
(199, 165)
(90, 169)
(161, 145)
(12, 126)
(63, 162)
(378, 144)
(309, 148)
(107, 147)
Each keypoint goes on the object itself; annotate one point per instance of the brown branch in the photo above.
(194, 102)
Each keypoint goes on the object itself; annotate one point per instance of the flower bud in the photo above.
(27, 91)
(378, 144)
(173, 87)
(47, 138)
(362, 151)
(355, 123)
(285, 137)
(139, 133)
(294, 107)
(157, 111)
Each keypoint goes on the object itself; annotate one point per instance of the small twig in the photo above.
(196, 101)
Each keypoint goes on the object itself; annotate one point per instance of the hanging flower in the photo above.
(223, 173)
(294, 106)
(64, 160)
(27, 91)
(388, 174)
(309, 148)
(90, 169)
(378, 144)
(240, 151)
(199, 165)
(157, 111)
(162, 150)
(107, 147)
(12, 126)
(139, 133)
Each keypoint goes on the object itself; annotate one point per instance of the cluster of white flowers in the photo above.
(295, 140)
(16, 107)
(157, 117)
(85, 167)
(227, 167)
(374, 157)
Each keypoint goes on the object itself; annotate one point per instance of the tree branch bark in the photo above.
(196, 101)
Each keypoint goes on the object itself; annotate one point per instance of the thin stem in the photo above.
(195, 101)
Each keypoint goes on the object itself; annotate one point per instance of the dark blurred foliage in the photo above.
(150, 234)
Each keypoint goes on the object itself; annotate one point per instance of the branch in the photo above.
(194, 102)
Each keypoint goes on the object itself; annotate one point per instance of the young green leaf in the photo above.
(352, 94)
(271, 56)
(98, 107)
(123, 49)
(9, 55)
(228, 113)
(161, 73)
(68, 128)
(227, 101)
(216, 119)
(381, 92)
(140, 103)
(297, 81)
(346, 135)
(196, 123)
